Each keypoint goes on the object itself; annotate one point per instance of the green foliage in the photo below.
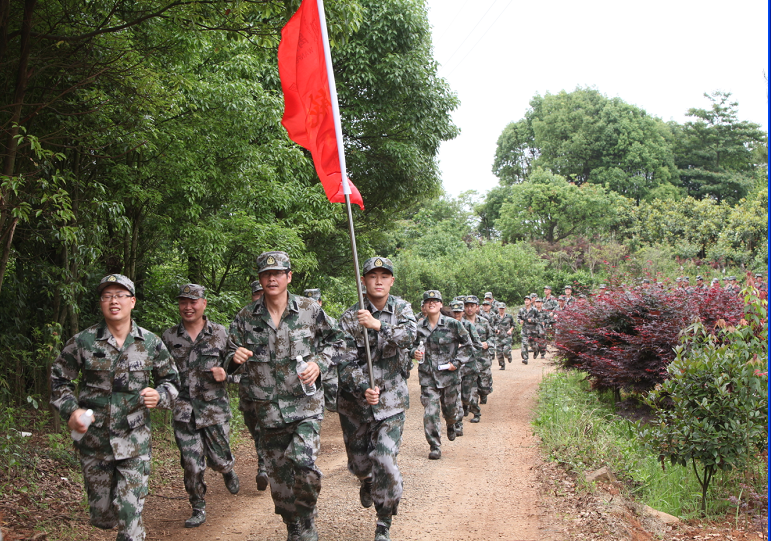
(716, 153)
(549, 207)
(718, 387)
(582, 431)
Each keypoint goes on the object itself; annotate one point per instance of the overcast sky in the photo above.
(659, 55)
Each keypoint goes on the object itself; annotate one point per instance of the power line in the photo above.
(472, 30)
(480, 38)
(447, 28)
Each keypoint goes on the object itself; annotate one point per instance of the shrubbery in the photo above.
(626, 340)
(712, 411)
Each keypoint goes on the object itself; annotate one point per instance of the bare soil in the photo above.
(490, 483)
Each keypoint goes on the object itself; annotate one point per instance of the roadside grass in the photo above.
(41, 484)
(581, 430)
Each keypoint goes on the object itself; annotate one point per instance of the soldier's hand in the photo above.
(241, 355)
(218, 373)
(310, 374)
(150, 396)
(367, 320)
(419, 355)
(452, 368)
(372, 396)
(509, 332)
(74, 422)
(484, 345)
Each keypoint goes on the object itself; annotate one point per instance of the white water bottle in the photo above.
(85, 418)
(421, 349)
(309, 389)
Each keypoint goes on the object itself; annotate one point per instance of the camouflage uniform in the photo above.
(288, 419)
(484, 382)
(373, 434)
(503, 338)
(469, 372)
(528, 319)
(448, 342)
(115, 451)
(202, 410)
(550, 305)
(543, 320)
(329, 379)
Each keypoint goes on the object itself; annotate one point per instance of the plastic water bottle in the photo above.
(421, 349)
(85, 418)
(309, 389)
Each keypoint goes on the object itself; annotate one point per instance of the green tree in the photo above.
(716, 153)
(550, 208)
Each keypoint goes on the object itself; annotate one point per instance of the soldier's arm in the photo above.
(403, 333)
(236, 342)
(332, 346)
(165, 376)
(465, 349)
(64, 372)
(351, 377)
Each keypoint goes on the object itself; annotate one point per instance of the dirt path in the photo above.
(484, 487)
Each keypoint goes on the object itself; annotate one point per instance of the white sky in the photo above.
(660, 55)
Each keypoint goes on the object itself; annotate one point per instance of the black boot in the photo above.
(198, 518)
(365, 493)
(294, 530)
(231, 481)
(382, 529)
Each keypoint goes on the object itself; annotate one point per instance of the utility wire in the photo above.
(472, 30)
(447, 28)
(480, 38)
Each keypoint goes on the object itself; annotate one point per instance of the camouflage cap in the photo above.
(488, 295)
(273, 261)
(646, 281)
(732, 278)
(700, 277)
(758, 275)
(678, 279)
(314, 294)
(486, 302)
(547, 287)
(568, 287)
(456, 306)
(534, 295)
(432, 295)
(686, 279)
(527, 297)
(538, 299)
(256, 286)
(501, 305)
(116, 279)
(377, 262)
(472, 299)
(714, 280)
(192, 291)
(603, 286)
(561, 298)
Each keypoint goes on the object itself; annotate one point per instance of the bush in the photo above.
(625, 340)
(718, 390)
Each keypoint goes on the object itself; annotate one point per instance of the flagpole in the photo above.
(343, 174)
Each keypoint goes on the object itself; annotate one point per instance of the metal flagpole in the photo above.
(346, 187)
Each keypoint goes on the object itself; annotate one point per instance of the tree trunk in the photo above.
(22, 76)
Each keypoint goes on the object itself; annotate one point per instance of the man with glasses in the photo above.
(267, 340)
(115, 361)
(202, 411)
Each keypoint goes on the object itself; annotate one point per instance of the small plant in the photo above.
(712, 411)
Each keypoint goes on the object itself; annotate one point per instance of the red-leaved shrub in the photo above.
(624, 340)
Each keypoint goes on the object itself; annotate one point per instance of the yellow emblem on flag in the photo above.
(112, 278)
(271, 260)
(378, 262)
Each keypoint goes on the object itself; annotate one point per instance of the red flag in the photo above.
(308, 116)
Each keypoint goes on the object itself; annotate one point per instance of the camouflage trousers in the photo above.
(470, 394)
(485, 376)
(247, 407)
(434, 400)
(372, 449)
(116, 492)
(503, 350)
(538, 343)
(290, 459)
(528, 344)
(197, 447)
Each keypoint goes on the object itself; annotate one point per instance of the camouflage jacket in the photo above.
(502, 326)
(543, 320)
(550, 304)
(448, 342)
(528, 318)
(486, 334)
(472, 366)
(269, 377)
(200, 397)
(112, 378)
(391, 362)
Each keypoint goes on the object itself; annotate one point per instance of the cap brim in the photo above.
(272, 268)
